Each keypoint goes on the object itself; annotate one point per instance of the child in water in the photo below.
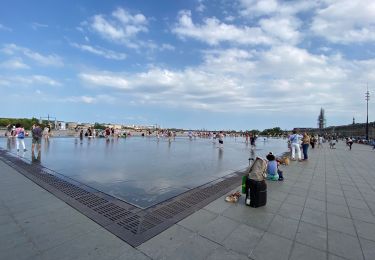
(273, 172)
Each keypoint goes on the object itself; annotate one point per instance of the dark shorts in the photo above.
(36, 140)
(221, 141)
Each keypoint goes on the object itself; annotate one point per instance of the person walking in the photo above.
(320, 141)
(20, 136)
(295, 143)
(350, 143)
(305, 145)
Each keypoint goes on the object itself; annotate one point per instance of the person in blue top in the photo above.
(273, 172)
(295, 140)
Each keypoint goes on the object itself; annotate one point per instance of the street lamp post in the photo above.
(367, 95)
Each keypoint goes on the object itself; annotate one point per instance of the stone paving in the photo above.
(325, 209)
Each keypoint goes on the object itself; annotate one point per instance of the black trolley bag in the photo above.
(256, 186)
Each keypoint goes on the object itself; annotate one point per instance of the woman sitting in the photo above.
(273, 172)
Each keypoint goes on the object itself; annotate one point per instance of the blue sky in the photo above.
(218, 64)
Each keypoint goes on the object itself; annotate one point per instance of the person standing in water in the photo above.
(37, 134)
(221, 139)
(20, 134)
(252, 141)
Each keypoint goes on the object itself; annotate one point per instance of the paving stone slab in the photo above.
(198, 220)
(218, 229)
(224, 254)
(362, 214)
(355, 203)
(290, 211)
(368, 248)
(307, 253)
(280, 248)
(94, 245)
(218, 206)
(344, 245)
(23, 251)
(365, 230)
(315, 217)
(339, 210)
(315, 204)
(341, 224)
(311, 235)
(178, 243)
(243, 239)
(259, 219)
(285, 227)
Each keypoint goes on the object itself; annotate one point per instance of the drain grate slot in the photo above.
(149, 222)
(131, 223)
(91, 200)
(112, 211)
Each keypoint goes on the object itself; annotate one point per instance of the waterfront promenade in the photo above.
(325, 209)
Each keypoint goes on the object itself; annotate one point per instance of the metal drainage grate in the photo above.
(132, 224)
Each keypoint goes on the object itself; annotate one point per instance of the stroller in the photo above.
(256, 187)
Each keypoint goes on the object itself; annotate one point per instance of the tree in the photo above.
(99, 126)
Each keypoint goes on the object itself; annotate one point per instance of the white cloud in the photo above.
(282, 78)
(105, 79)
(5, 28)
(108, 54)
(31, 80)
(37, 26)
(213, 32)
(88, 99)
(44, 60)
(258, 8)
(121, 27)
(284, 28)
(201, 7)
(167, 47)
(14, 64)
(346, 21)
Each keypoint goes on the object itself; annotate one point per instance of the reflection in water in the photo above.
(143, 171)
(46, 144)
(252, 153)
(8, 143)
(36, 159)
(221, 154)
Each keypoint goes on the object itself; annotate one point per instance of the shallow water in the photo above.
(142, 170)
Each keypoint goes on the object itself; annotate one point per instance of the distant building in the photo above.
(114, 126)
(61, 125)
(71, 125)
(321, 120)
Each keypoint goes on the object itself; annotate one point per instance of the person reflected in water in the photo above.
(252, 153)
(36, 159)
(221, 154)
(9, 144)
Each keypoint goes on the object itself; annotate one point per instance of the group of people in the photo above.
(18, 132)
(295, 142)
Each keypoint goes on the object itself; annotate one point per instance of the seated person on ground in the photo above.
(273, 172)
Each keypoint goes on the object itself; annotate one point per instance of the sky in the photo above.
(192, 64)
